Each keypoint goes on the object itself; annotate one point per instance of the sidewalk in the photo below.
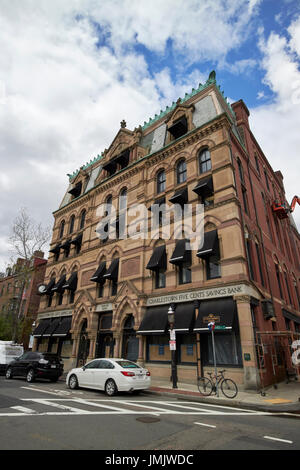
(285, 398)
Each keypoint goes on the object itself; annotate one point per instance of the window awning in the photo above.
(76, 190)
(112, 272)
(221, 311)
(204, 187)
(180, 197)
(210, 245)
(184, 317)
(77, 240)
(181, 254)
(51, 327)
(99, 273)
(158, 259)
(110, 166)
(59, 285)
(48, 288)
(154, 321)
(179, 128)
(64, 327)
(158, 202)
(66, 245)
(38, 332)
(55, 249)
(71, 283)
(290, 316)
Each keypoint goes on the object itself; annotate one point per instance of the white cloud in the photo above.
(276, 125)
(62, 95)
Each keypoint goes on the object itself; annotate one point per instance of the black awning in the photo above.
(76, 191)
(77, 240)
(98, 275)
(41, 328)
(184, 317)
(180, 197)
(47, 288)
(66, 245)
(290, 316)
(155, 321)
(55, 249)
(179, 127)
(158, 259)
(158, 202)
(204, 187)
(51, 327)
(221, 311)
(123, 158)
(181, 254)
(112, 272)
(59, 285)
(71, 283)
(64, 327)
(210, 245)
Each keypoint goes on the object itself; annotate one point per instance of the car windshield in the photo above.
(128, 365)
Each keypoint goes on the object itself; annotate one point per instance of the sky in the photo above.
(71, 71)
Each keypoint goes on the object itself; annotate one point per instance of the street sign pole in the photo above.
(211, 326)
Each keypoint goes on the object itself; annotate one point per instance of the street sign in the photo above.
(220, 327)
(172, 335)
(172, 345)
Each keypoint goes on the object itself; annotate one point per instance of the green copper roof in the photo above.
(84, 167)
(211, 80)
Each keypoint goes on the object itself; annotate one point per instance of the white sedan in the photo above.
(110, 375)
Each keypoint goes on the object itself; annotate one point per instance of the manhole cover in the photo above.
(148, 419)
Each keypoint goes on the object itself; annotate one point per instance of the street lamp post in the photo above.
(171, 321)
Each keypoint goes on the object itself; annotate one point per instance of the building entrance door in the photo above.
(130, 343)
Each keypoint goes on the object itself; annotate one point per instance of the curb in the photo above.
(235, 403)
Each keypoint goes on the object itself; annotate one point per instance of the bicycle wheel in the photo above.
(205, 386)
(229, 388)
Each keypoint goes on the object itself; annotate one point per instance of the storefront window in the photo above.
(158, 348)
(228, 349)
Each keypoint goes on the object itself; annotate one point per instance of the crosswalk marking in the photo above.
(75, 406)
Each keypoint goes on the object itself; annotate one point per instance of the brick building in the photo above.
(111, 297)
(19, 290)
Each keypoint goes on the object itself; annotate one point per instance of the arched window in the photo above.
(181, 172)
(123, 199)
(72, 222)
(82, 219)
(161, 181)
(204, 161)
(62, 228)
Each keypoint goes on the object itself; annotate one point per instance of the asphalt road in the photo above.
(47, 416)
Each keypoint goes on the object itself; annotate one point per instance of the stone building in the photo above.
(110, 297)
(19, 296)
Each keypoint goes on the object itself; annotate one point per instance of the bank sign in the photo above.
(203, 294)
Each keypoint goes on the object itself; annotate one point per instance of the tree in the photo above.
(26, 238)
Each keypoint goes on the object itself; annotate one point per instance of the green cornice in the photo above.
(84, 167)
(210, 81)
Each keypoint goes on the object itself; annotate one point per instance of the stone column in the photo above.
(251, 375)
(141, 359)
(117, 338)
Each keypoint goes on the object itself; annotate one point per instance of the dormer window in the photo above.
(117, 163)
(76, 190)
(178, 128)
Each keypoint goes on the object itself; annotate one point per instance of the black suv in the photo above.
(35, 365)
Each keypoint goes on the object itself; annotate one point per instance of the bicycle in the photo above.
(208, 385)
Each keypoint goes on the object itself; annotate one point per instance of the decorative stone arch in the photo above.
(75, 266)
(63, 270)
(125, 307)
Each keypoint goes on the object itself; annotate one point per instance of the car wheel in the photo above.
(30, 376)
(110, 388)
(73, 382)
(9, 374)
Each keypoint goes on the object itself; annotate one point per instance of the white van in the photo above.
(8, 352)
